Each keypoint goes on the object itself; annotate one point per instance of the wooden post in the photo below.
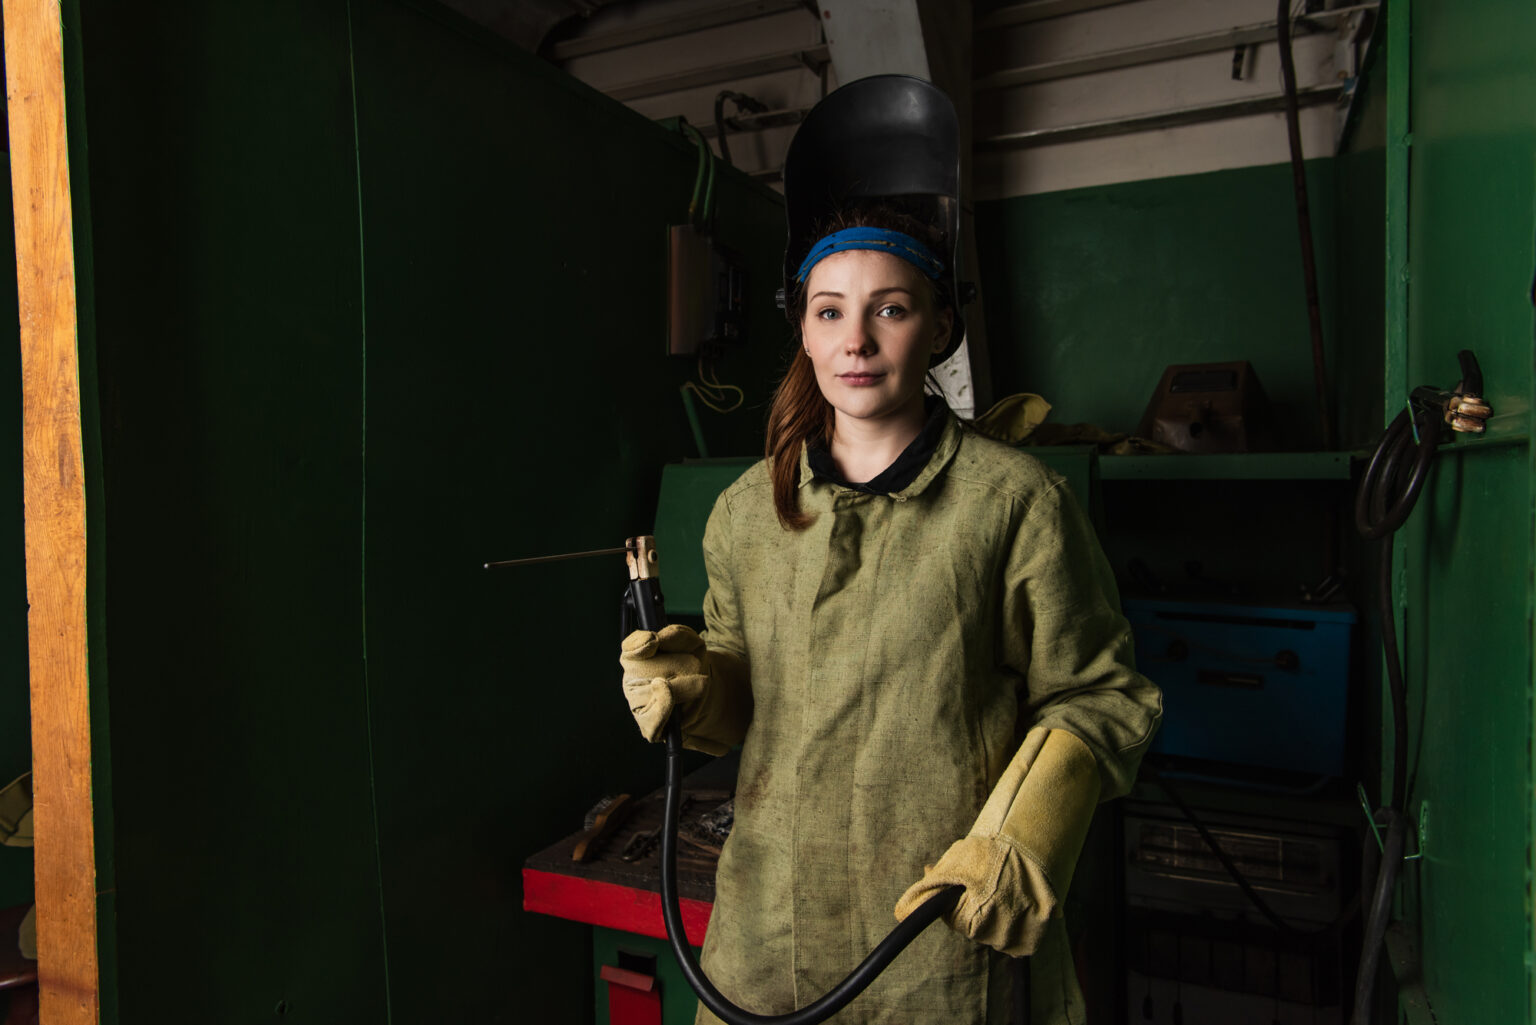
(53, 466)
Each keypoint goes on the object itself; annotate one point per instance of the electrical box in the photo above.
(1249, 685)
(706, 293)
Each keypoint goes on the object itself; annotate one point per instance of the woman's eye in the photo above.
(892, 310)
(827, 314)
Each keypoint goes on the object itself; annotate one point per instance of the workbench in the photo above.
(636, 977)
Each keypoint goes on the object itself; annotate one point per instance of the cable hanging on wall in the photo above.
(1388, 492)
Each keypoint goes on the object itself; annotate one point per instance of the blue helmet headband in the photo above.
(879, 239)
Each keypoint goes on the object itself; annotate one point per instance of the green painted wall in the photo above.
(1092, 292)
(1471, 258)
(361, 291)
(518, 403)
(224, 307)
(361, 309)
(1360, 266)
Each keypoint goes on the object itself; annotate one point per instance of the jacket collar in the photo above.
(943, 452)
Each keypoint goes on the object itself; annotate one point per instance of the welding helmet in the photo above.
(892, 138)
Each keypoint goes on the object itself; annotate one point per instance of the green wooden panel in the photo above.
(518, 404)
(1360, 232)
(1468, 650)
(220, 296)
(688, 493)
(1467, 578)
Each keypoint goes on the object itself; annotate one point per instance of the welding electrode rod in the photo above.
(556, 558)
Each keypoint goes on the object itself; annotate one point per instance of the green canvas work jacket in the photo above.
(898, 650)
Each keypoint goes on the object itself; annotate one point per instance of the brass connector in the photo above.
(1468, 414)
(641, 557)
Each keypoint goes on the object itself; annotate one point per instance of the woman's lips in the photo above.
(860, 380)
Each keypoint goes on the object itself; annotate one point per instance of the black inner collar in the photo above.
(900, 473)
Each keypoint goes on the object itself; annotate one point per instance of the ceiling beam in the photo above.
(1222, 111)
(812, 59)
(1038, 10)
(1163, 50)
(668, 28)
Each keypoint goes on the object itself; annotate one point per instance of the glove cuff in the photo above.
(1019, 856)
(1049, 815)
(718, 720)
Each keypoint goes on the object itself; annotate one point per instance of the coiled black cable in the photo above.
(750, 104)
(1388, 492)
(1393, 480)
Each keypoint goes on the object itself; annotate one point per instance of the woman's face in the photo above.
(870, 329)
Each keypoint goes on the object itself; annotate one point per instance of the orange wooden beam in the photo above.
(53, 466)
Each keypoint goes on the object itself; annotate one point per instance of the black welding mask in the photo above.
(893, 138)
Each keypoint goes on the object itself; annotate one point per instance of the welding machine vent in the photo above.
(1168, 866)
(1178, 851)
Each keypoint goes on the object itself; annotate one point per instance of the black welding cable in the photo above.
(725, 145)
(644, 607)
(817, 1011)
(1304, 220)
(1380, 917)
(750, 104)
(1388, 491)
(1231, 866)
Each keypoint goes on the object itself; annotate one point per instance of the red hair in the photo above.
(799, 414)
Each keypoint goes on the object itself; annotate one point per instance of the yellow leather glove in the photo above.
(1018, 858)
(672, 672)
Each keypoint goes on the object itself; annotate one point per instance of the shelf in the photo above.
(1228, 466)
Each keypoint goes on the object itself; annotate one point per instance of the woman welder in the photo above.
(911, 629)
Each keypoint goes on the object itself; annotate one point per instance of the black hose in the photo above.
(750, 104)
(643, 604)
(1415, 433)
(725, 144)
(1304, 220)
(820, 1010)
(1232, 870)
(1376, 924)
(1393, 480)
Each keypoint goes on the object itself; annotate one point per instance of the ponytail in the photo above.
(799, 415)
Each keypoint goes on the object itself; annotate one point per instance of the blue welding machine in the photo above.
(1254, 686)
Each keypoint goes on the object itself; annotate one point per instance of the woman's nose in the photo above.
(858, 341)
